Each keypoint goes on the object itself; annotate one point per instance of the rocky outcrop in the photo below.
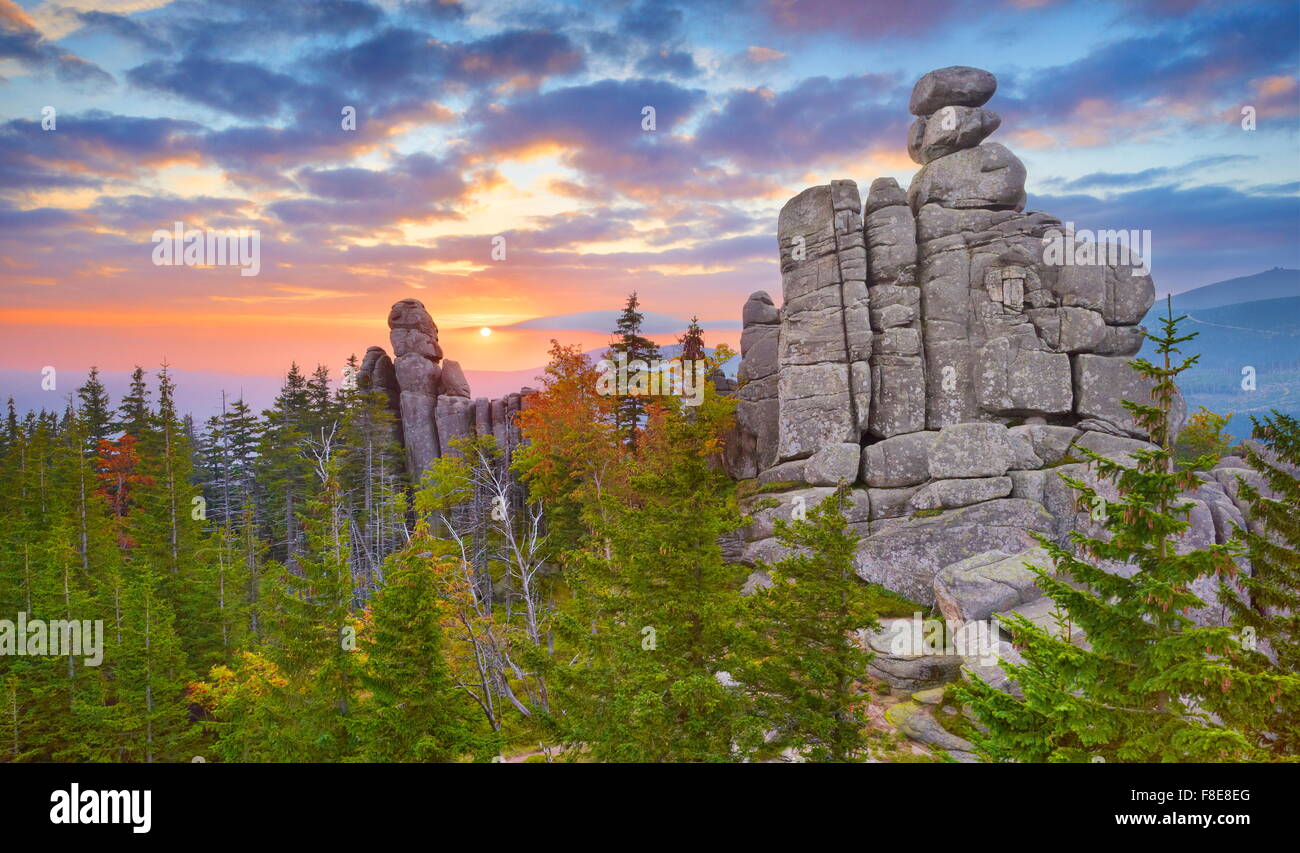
(824, 339)
(431, 396)
(932, 347)
(936, 306)
(753, 447)
(933, 352)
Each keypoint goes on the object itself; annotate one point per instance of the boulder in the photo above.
(917, 722)
(786, 472)
(377, 374)
(833, 464)
(891, 503)
(988, 583)
(970, 450)
(417, 374)
(1102, 382)
(904, 554)
(759, 352)
(1043, 613)
(991, 672)
(1030, 485)
(1013, 380)
(758, 579)
(814, 409)
(954, 129)
(902, 460)
(1113, 447)
(898, 399)
(453, 382)
(1023, 457)
(759, 309)
(901, 665)
(987, 176)
(1050, 443)
(956, 85)
(415, 342)
(766, 509)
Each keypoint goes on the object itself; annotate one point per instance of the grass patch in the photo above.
(887, 604)
(779, 486)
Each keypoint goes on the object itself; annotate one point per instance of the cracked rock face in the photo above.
(939, 329)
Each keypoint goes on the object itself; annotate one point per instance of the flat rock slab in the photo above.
(988, 583)
(905, 554)
(949, 494)
(898, 461)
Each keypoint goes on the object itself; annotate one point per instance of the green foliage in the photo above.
(1152, 685)
(149, 716)
(94, 410)
(1266, 603)
(655, 615)
(595, 611)
(631, 347)
(312, 635)
(416, 711)
(804, 668)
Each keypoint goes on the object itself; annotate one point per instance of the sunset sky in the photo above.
(524, 120)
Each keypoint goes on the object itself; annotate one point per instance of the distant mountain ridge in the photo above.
(1249, 351)
(1277, 283)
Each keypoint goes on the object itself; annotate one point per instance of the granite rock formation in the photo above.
(430, 395)
(929, 356)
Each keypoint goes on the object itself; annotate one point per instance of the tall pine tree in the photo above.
(636, 351)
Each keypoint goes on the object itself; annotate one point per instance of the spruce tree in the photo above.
(10, 434)
(692, 342)
(1151, 685)
(804, 670)
(416, 712)
(166, 529)
(370, 474)
(1272, 605)
(95, 410)
(630, 347)
(133, 415)
(150, 674)
(57, 562)
(1267, 606)
(282, 469)
(313, 633)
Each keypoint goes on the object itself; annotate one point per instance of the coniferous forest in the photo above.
(276, 587)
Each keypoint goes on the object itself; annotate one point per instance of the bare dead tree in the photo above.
(494, 524)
